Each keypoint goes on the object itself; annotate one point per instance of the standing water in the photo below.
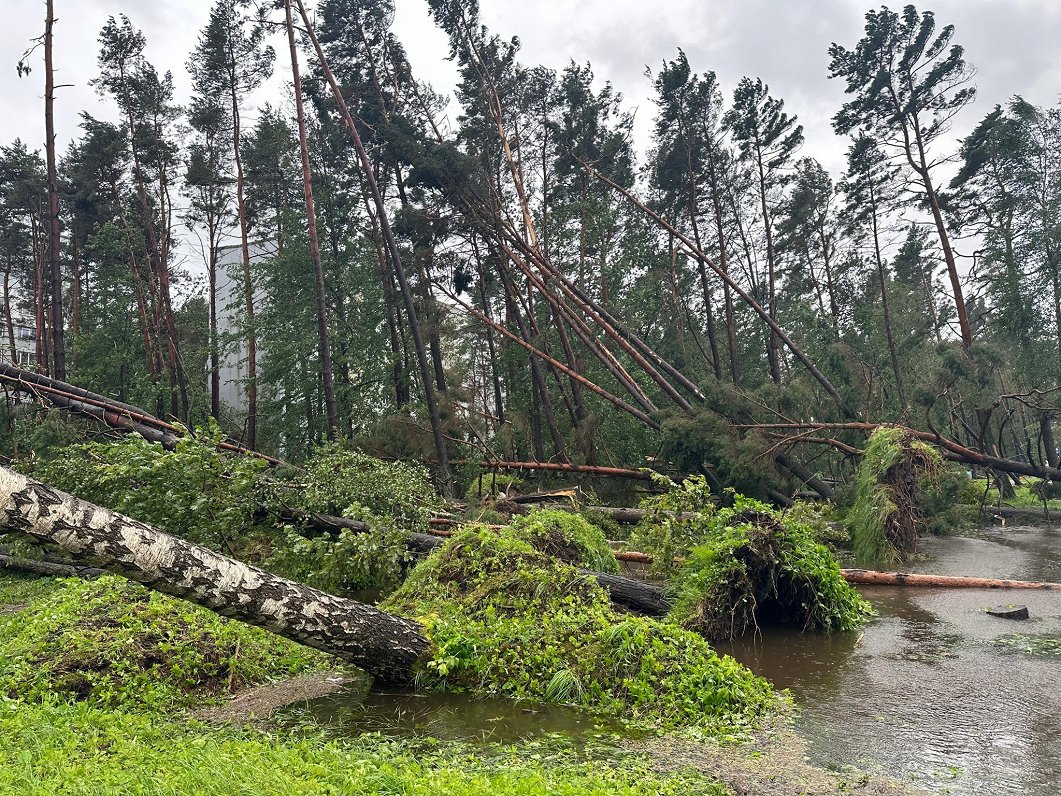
(933, 689)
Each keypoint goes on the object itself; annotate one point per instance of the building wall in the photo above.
(231, 311)
(25, 345)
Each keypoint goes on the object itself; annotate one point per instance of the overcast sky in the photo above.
(1014, 44)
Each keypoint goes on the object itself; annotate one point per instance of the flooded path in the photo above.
(934, 690)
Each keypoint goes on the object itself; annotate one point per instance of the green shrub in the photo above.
(338, 480)
(196, 492)
(760, 566)
(113, 643)
(232, 504)
(508, 619)
(674, 521)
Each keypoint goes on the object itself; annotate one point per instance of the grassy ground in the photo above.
(124, 726)
(78, 749)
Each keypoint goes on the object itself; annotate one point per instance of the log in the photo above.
(386, 646)
(316, 524)
(635, 595)
(1017, 513)
(563, 467)
(868, 577)
(47, 569)
(113, 414)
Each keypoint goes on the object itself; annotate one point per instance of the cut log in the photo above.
(386, 646)
(867, 577)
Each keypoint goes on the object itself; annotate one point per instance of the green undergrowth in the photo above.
(79, 749)
(486, 486)
(235, 505)
(508, 619)
(17, 590)
(113, 643)
(673, 521)
(568, 537)
(757, 566)
(1029, 494)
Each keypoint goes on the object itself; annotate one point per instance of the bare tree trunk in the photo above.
(885, 307)
(9, 322)
(323, 342)
(40, 327)
(386, 646)
(54, 264)
(250, 435)
(771, 348)
(75, 304)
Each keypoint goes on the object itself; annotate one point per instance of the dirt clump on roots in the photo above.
(889, 514)
(757, 568)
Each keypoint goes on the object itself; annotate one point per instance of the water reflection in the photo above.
(450, 717)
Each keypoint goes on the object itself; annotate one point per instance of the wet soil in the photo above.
(261, 702)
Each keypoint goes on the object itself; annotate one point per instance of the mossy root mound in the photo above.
(888, 512)
(758, 568)
(113, 643)
(512, 620)
(568, 537)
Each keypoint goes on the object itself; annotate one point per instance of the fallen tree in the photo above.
(867, 577)
(384, 645)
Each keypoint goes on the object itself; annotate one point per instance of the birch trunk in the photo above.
(386, 646)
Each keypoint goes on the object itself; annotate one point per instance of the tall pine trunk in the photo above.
(323, 342)
(54, 262)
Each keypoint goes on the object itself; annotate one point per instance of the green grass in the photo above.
(79, 750)
(17, 590)
(112, 642)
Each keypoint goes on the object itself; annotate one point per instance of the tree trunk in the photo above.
(386, 646)
(323, 341)
(1046, 430)
(868, 577)
(9, 322)
(430, 397)
(54, 265)
(248, 286)
(884, 302)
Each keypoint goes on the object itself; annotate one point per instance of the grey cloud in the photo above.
(1013, 45)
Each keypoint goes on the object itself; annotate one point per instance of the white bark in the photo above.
(382, 644)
